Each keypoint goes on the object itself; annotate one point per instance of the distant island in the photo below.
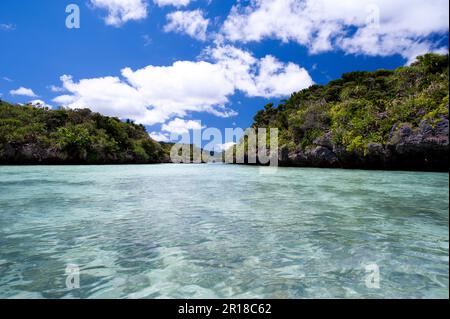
(375, 120)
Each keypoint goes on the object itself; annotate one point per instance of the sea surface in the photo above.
(222, 231)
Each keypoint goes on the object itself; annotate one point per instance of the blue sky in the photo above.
(169, 63)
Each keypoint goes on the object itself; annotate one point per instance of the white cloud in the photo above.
(175, 3)
(191, 23)
(159, 137)
(5, 78)
(64, 100)
(223, 147)
(56, 89)
(382, 28)
(266, 77)
(39, 103)
(23, 92)
(155, 94)
(121, 11)
(179, 126)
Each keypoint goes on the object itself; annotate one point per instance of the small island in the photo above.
(371, 120)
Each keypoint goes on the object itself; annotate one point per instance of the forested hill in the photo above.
(384, 119)
(34, 135)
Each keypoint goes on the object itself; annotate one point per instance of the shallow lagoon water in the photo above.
(222, 231)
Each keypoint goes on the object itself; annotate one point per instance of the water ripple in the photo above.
(219, 231)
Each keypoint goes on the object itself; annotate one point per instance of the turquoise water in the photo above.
(222, 231)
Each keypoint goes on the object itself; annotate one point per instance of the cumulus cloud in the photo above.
(55, 89)
(266, 77)
(191, 23)
(121, 11)
(179, 126)
(378, 28)
(23, 92)
(155, 94)
(64, 100)
(175, 3)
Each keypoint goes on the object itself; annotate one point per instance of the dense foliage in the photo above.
(30, 134)
(362, 107)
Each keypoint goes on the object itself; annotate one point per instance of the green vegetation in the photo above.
(362, 107)
(30, 134)
(385, 119)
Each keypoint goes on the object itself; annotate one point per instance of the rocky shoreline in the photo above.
(425, 148)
